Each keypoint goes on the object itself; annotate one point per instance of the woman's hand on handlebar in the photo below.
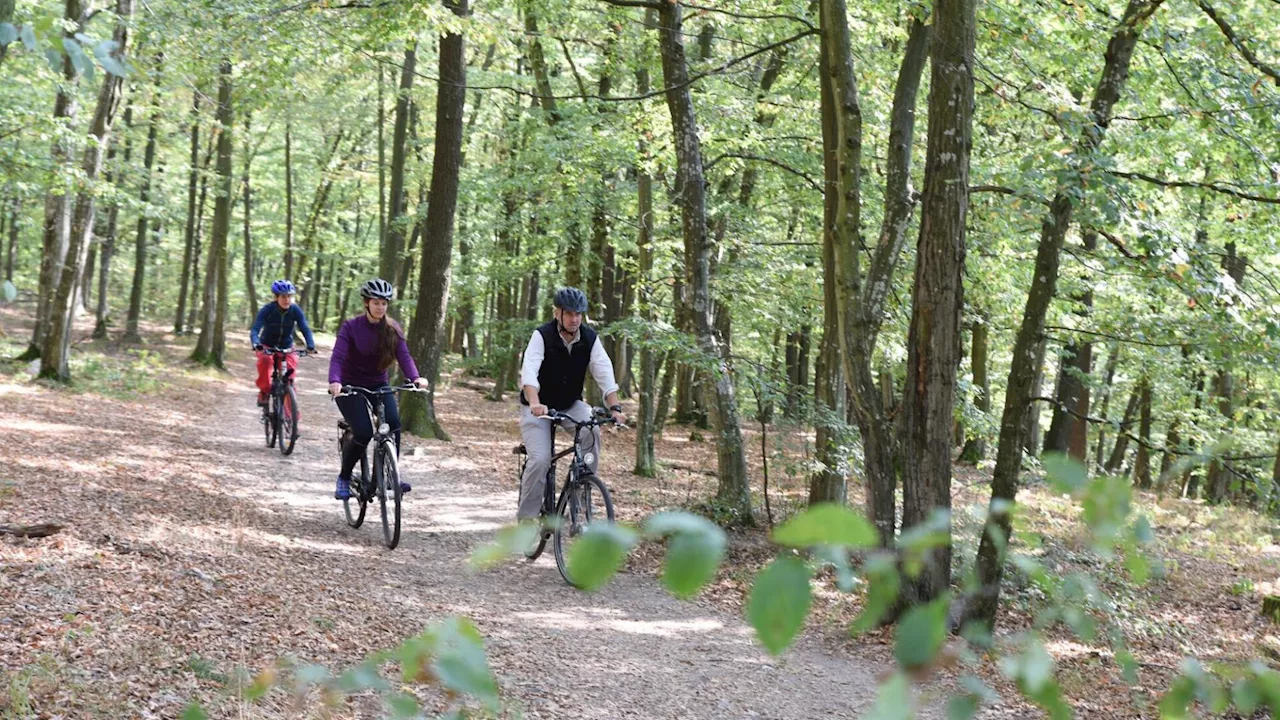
(335, 388)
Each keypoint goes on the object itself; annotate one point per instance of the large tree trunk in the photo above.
(1068, 430)
(734, 491)
(428, 339)
(990, 560)
(55, 360)
(57, 204)
(933, 344)
(251, 293)
(211, 345)
(131, 334)
(393, 244)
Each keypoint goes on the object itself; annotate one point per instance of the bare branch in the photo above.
(1244, 50)
(776, 163)
(636, 3)
(1224, 189)
(1119, 244)
(750, 16)
(1002, 190)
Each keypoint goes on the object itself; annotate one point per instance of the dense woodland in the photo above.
(928, 232)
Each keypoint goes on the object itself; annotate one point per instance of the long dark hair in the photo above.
(389, 336)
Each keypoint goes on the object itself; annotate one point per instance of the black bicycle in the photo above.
(280, 414)
(584, 499)
(385, 481)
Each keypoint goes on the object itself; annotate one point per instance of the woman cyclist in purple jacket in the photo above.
(365, 350)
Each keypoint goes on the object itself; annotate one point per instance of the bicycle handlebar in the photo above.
(599, 416)
(287, 351)
(351, 390)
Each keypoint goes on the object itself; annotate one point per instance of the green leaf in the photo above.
(893, 701)
(827, 524)
(81, 61)
(691, 563)
(8, 33)
(461, 664)
(403, 705)
(779, 602)
(28, 35)
(1065, 473)
(598, 554)
(962, 707)
(55, 60)
(882, 593)
(672, 522)
(103, 51)
(194, 712)
(921, 632)
(312, 674)
(10, 292)
(511, 540)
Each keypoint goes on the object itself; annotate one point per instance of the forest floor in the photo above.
(192, 553)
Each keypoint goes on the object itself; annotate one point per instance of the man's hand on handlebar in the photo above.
(538, 410)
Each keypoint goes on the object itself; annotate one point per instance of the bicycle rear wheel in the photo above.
(268, 424)
(355, 505)
(288, 420)
(387, 476)
(585, 501)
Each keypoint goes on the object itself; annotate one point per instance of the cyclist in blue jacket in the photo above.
(273, 328)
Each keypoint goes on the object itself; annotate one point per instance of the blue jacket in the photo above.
(274, 327)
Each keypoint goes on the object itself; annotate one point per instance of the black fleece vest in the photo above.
(563, 373)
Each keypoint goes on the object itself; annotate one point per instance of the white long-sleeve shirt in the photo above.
(600, 366)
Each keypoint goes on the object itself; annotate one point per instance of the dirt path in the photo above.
(193, 549)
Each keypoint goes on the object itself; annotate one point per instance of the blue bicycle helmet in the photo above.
(283, 287)
(571, 299)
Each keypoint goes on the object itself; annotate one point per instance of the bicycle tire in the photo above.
(574, 519)
(387, 476)
(273, 419)
(288, 420)
(268, 424)
(355, 505)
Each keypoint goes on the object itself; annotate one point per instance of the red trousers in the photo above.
(264, 369)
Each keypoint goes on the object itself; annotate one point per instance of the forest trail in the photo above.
(192, 549)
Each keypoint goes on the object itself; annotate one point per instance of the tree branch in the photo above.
(1002, 190)
(776, 163)
(635, 4)
(1119, 244)
(1117, 338)
(1224, 189)
(1239, 45)
(750, 16)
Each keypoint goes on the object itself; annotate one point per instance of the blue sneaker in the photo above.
(343, 491)
(405, 488)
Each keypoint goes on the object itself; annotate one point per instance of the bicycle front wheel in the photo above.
(583, 502)
(387, 477)
(288, 420)
(268, 424)
(355, 505)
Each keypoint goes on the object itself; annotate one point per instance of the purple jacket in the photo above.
(355, 356)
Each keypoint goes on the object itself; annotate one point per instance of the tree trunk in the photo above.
(190, 234)
(428, 339)
(288, 185)
(975, 448)
(933, 345)
(131, 334)
(990, 559)
(1121, 448)
(734, 491)
(1031, 426)
(1168, 460)
(57, 205)
(1142, 464)
(108, 246)
(1113, 359)
(211, 345)
(670, 369)
(251, 292)
(646, 422)
(1217, 480)
(6, 16)
(12, 256)
(393, 245)
(1068, 430)
(55, 359)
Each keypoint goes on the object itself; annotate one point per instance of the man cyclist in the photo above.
(555, 366)
(274, 328)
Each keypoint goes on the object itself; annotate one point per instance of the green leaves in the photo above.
(460, 662)
(8, 33)
(511, 540)
(779, 602)
(79, 59)
(194, 712)
(598, 554)
(695, 548)
(103, 52)
(10, 292)
(921, 632)
(28, 35)
(827, 524)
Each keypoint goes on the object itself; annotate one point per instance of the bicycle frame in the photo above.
(576, 468)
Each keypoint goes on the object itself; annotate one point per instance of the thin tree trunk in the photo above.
(671, 369)
(55, 359)
(1121, 448)
(1031, 425)
(428, 339)
(1142, 464)
(1113, 360)
(250, 291)
(190, 234)
(734, 491)
(131, 334)
(1168, 460)
(108, 245)
(975, 448)
(12, 256)
(288, 188)
(990, 559)
(646, 422)
(393, 245)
